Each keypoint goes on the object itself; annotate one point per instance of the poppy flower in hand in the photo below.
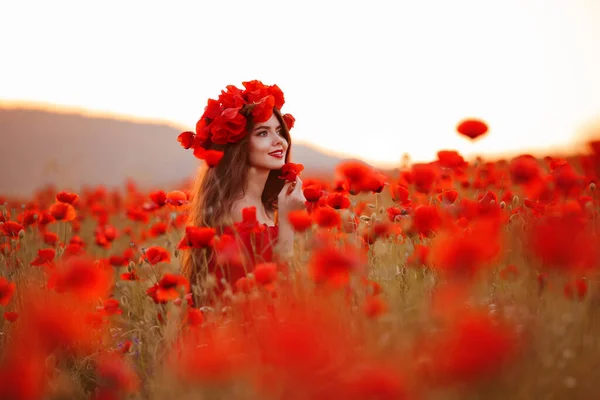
(472, 128)
(290, 171)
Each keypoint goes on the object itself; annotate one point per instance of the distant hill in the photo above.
(72, 150)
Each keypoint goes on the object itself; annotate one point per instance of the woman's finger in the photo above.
(286, 187)
(292, 187)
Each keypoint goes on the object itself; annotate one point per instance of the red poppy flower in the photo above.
(463, 254)
(111, 307)
(524, 169)
(334, 265)
(177, 198)
(159, 198)
(11, 316)
(265, 274)
(44, 256)
(312, 192)
(399, 193)
(419, 256)
(327, 217)
(472, 128)
(158, 229)
(289, 120)
(67, 197)
(186, 139)
(245, 284)
(423, 176)
(450, 159)
(448, 196)
(197, 238)
(300, 220)
(11, 228)
(130, 276)
(229, 127)
(157, 254)
(290, 171)
(472, 347)
(426, 220)
(338, 200)
(168, 287)
(63, 212)
(564, 242)
(263, 109)
(82, 277)
(210, 157)
(194, 317)
(6, 291)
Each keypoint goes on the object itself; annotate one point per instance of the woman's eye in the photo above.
(263, 133)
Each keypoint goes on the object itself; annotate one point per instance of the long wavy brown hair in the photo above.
(215, 189)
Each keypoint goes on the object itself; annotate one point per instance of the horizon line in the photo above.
(36, 105)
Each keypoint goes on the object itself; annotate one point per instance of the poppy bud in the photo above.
(502, 205)
(592, 186)
(176, 253)
(21, 234)
(131, 265)
(515, 200)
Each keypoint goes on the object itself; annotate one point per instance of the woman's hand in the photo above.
(291, 198)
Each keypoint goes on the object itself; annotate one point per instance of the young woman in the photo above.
(247, 130)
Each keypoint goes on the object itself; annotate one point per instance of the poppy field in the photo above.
(445, 280)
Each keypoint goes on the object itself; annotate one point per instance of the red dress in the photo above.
(240, 249)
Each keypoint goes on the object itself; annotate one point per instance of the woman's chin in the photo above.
(276, 165)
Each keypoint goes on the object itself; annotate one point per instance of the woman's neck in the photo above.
(255, 185)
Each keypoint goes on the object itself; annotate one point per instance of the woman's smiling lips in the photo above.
(277, 153)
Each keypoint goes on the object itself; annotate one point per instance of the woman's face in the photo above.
(267, 145)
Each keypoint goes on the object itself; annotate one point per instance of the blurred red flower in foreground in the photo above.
(6, 291)
(471, 347)
(563, 242)
(83, 277)
(464, 253)
(335, 265)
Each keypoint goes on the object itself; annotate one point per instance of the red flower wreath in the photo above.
(224, 120)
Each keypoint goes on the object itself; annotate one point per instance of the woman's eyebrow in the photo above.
(266, 127)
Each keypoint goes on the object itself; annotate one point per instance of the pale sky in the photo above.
(372, 79)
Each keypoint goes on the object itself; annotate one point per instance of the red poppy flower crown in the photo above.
(224, 120)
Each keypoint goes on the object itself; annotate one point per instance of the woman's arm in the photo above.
(291, 198)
